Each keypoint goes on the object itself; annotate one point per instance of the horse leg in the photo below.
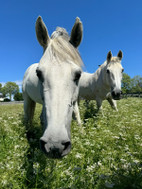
(77, 113)
(29, 108)
(99, 104)
(112, 103)
(42, 116)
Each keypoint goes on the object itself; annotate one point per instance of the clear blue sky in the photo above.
(108, 25)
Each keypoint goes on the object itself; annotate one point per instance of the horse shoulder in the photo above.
(31, 84)
(86, 86)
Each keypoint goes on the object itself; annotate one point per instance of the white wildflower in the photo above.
(78, 156)
(115, 137)
(137, 137)
(16, 146)
(99, 163)
(123, 160)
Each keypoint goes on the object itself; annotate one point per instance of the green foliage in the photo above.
(137, 84)
(10, 88)
(0, 87)
(131, 85)
(106, 150)
(18, 96)
(126, 83)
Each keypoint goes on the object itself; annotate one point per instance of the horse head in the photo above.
(59, 71)
(114, 72)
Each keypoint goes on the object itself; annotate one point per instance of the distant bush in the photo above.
(18, 97)
(7, 100)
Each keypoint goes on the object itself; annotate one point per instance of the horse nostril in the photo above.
(116, 94)
(66, 144)
(113, 93)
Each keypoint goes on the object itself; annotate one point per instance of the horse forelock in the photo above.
(115, 59)
(60, 32)
(61, 50)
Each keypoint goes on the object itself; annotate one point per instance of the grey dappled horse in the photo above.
(105, 83)
(53, 82)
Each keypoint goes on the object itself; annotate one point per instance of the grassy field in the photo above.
(106, 150)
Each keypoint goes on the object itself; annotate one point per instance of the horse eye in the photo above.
(39, 74)
(77, 77)
(122, 70)
(108, 71)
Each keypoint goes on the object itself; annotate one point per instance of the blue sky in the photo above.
(107, 25)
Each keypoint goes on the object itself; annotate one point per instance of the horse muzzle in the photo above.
(55, 150)
(116, 94)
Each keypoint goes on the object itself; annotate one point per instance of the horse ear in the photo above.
(76, 33)
(41, 32)
(109, 56)
(120, 55)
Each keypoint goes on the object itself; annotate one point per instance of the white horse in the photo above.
(53, 82)
(105, 83)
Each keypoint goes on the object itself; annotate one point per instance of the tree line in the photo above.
(129, 85)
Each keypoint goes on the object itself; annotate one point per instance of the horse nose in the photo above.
(67, 147)
(116, 94)
(55, 149)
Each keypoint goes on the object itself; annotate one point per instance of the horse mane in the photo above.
(61, 49)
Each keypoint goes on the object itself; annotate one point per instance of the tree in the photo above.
(126, 83)
(0, 87)
(10, 88)
(136, 84)
(18, 97)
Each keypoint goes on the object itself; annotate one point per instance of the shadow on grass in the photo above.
(37, 175)
(90, 110)
(121, 179)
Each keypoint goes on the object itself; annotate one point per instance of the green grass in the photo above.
(106, 150)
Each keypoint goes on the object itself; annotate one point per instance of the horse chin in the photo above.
(116, 98)
(55, 155)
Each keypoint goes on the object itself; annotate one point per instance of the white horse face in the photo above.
(59, 91)
(114, 74)
(59, 77)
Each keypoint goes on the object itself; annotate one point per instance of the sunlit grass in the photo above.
(106, 150)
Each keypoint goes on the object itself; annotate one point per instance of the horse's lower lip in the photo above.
(54, 155)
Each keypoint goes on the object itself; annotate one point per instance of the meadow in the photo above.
(106, 150)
